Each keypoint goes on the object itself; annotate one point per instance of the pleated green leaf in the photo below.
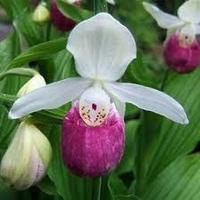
(175, 140)
(179, 181)
(39, 52)
(162, 141)
(73, 12)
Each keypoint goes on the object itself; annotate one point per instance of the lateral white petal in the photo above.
(49, 97)
(163, 19)
(189, 11)
(149, 99)
(102, 47)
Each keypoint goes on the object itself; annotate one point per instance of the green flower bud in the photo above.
(41, 14)
(27, 158)
(34, 83)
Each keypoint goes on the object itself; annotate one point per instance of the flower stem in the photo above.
(100, 6)
(96, 193)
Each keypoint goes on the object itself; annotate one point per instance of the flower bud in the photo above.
(60, 21)
(41, 14)
(92, 151)
(34, 83)
(27, 158)
(182, 53)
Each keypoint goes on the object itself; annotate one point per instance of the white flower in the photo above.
(102, 49)
(27, 157)
(187, 22)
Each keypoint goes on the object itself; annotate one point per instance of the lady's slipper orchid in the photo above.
(92, 150)
(27, 158)
(102, 49)
(182, 48)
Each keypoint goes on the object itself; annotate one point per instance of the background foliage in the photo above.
(161, 160)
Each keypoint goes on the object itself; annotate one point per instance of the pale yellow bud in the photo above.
(41, 14)
(34, 83)
(27, 157)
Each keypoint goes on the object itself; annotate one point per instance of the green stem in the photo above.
(96, 191)
(100, 6)
(141, 141)
(19, 72)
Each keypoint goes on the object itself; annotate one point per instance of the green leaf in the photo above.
(18, 71)
(46, 116)
(14, 7)
(176, 140)
(57, 171)
(127, 197)
(6, 129)
(25, 27)
(140, 73)
(20, 14)
(73, 12)
(127, 162)
(39, 52)
(9, 48)
(64, 65)
(100, 6)
(165, 141)
(179, 181)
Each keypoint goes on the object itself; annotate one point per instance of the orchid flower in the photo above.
(93, 130)
(182, 49)
(187, 21)
(102, 49)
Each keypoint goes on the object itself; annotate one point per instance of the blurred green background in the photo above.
(152, 143)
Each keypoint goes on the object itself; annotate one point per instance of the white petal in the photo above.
(49, 97)
(148, 99)
(190, 11)
(111, 1)
(163, 19)
(102, 47)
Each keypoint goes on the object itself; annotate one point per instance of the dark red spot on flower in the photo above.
(94, 106)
